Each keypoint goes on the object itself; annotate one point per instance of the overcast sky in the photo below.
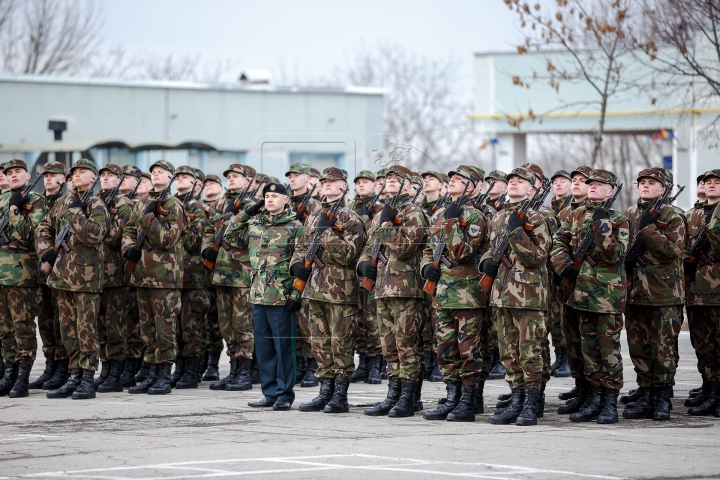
(309, 36)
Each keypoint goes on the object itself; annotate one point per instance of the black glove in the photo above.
(490, 268)
(571, 273)
(324, 223)
(690, 268)
(255, 208)
(647, 218)
(431, 272)
(77, 203)
(50, 256)
(210, 254)
(300, 216)
(230, 207)
(368, 270)
(453, 211)
(150, 207)
(133, 253)
(18, 199)
(364, 210)
(301, 271)
(387, 214)
(600, 214)
(292, 305)
(514, 221)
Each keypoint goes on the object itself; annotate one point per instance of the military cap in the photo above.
(522, 172)
(199, 174)
(334, 173)
(17, 164)
(497, 175)
(364, 174)
(250, 172)
(701, 177)
(583, 170)
(131, 170)
(401, 171)
(479, 170)
(82, 163)
(112, 168)
(146, 175)
(602, 176)
(416, 179)
(237, 168)
(273, 179)
(381, 173)
(274, 187)
(262, 178)
(654, 173)
(54, 167)
(435, 174)
(213, 178)
(467, 172)
(298, 168)
(315, 172)
(668, 175)
(537, 171)
(715, 172)
(165, 165)
(187, 170)
(446, 179)
(561, 173)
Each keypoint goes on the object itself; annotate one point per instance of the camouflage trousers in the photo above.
(303, 347)
(18, 306)
(78, 313)
(401, 321)
(573, 341)
(235, 317)
(520, 336)
(212, 338)
(485, 342)
(112, 323)
(555, 318)
(195, 304)
(332, 326)
(492, 332)
(134, 342)
(704, 324)
(651, 340)
(367, 333)
(547, 360)
(49, 325)
(458, 345)
(159, 309)
(600, 334)
(429, 327)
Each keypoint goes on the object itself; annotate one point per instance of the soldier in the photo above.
(599, 294)
(432, 184)
(4, 184)
(332, 291)
(497, 197)
(77, 275)
(19, 293)
(313, 180)
(561, 184)
(158, 275)
(232, 277)
(272, 235)
(459, 301)
(655, 290)
(299, 178)
(212, 193)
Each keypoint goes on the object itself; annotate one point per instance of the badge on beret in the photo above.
(273, 187)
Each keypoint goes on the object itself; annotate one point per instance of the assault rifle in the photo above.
(441, 202)
(199, 194)
(371, 204)
(482, 198)
(111, 196)
(219, 240)
(133, 192)
(141, 240)
(417, 194)
(566, 203)
(460, 201)
(546, 189)
(698, 253)
(52, 199)
(304, 204)
(5, 219)
(500, 201)
(438, 257)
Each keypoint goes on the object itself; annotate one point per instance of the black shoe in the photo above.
(404, 406)
(708, 407)
(9, 378)
(609, 413)
(59, 377)
(221, 384)
(528, 415)
(202, 366)
(243, 378)
(478, 402)
(113, 382)
(310, 380)
(436, 374)
(147, 383)
(143, 373)
(361, 372)
(582, 392)
(179, 370)
(699, 397)
(254, 371)
(300, 369)
(127, 377)
(212, 372)
(163, 383)
(374, 367)
(317, 404)
(561, 368)
(509, 414)
(662, 404)
(382, 408)
(465, 410)
(633, 395)
(282, 405)
(692, 393)
(104, 372)
(190, 378)
(592, 407)
(503, 397)
(20, 389)
(383, 370)
(505, 401)
(339, 402)
(87, 387)
(450, 404)
(572, 393)
(644, 407)
(266, 402)
(417, 395)
(70, 385)
(50, 367)
(498, 371)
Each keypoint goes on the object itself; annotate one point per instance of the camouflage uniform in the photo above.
(212, 338)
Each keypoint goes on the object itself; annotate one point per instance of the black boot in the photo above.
(104, 372)
(528, 415)
(436, 374)
(50, 367)
(9, 378)
(339, 401)
(70, 385)
(572, 393)
(609, 413)
(582, 392)
(375, 365)
(87, 387)
(144, 371)
(243, 379)
(361, 372)
(404, 406)
(59, 377)
(708, 407)
(465, 410)
(592, 407)
(691, 393)
(563, 367)
(662, 403)
(310, 380)
(451, 403)
(254, 371)
(700, 396)
(300, 369)
(163, 383)
(212, 372)
(149, 381)
(113, 382)
(644, 407)
(179, 370)
(505, 396)
(20, 389)
(383, 370)
(498, 371)
(317, 404)
(220, 385)
(382, 408)
(417, 395)
(478, 402)
(202, 366)
(504, 400)
(633, 395)
(509, 414)
(558, 360)
(430, 361)
(540, 404)
(189, 379)
(127, 377)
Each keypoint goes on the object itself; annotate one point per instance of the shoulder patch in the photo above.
(473, 230)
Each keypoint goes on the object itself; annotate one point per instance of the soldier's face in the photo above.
(701, 190)
(431, 183)
(579, 188)
(518, 188)
(145, 186)
(51, 180)
(212, 189)
(598, 191)
(456, 186)
(498, 189)
(298, 181)
(392, 184)
(236, 181)
(108, 180)
(4, 184)
(364, 186)
(184, 182)
(17, 177)
(83, 178)
(128, 184)
(649, 188)
(312, 181)
(379, 184)
(712, 189)
(331, 189)
(160, 178)
(561, 186)
(275, 202)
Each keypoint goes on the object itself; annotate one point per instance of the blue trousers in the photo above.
(275, 350)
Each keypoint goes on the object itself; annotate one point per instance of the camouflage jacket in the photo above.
(161, 267)
(704, 289)
(337, 282)
(113, 261)
(18, 259)
(660, 282)
(272, 240)
(193, 269)
(356, 204)
(232, 266)
(312, 206)
(458, 286)
(525, 285)
(427, 207)
(210, 207)
(601, 288)
(81, 269)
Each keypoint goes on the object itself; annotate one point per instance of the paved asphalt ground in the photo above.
(204, 434)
